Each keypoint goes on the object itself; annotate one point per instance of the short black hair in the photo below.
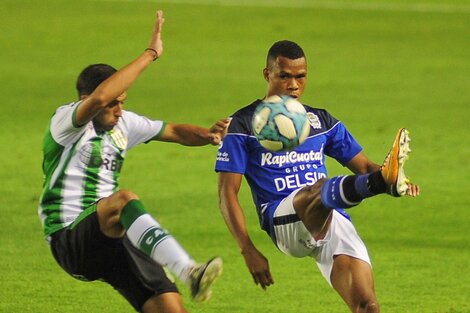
(92, 76)
(285, 48)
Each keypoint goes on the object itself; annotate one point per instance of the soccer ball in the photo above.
(280, 123)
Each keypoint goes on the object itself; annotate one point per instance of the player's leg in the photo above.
(314, 203)
(344, 262)
(123, 273)
(86, 253)
(311, 211)
(338, 250)
(288, 231)
(348, 191)
(353, 279)
(122, 212)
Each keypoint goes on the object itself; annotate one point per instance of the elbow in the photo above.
(98, 100)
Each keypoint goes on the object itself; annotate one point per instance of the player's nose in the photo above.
(293, 84)
(118, 111)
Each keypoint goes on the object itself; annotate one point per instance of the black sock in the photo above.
(349, 189)
(376, 183)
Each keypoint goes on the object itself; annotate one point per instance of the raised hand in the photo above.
(156, 43)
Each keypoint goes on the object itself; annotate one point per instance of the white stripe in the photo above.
(152, 253)
(341, 192)
(134, 233)
(325, 132)
(323, 4)
(59, 168)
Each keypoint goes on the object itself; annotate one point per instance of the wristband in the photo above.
(154, 51)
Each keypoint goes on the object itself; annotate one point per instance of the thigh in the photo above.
(311, 211)
(137, 279)
(86, 254)
(289, 232)
(149, 272)
(341, 239)
(82, 250)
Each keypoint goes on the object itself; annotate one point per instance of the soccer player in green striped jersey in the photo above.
(96, 230)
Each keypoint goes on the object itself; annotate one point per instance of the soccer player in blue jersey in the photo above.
(298, 206)
(97, 231)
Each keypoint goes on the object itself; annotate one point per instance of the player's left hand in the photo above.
(156, 42)
(218, 131)
(413, 190)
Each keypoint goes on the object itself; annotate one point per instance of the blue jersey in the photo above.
(272, 176)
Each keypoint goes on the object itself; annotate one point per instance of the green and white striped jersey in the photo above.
(81, 166)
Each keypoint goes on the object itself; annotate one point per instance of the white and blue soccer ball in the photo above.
(280, 123)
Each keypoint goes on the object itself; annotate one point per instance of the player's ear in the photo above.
(266, 74)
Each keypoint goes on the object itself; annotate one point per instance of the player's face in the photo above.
(286, 77)
(109, 116)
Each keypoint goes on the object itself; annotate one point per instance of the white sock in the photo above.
(146, 234)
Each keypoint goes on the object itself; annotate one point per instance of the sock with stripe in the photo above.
(147, 235)
(348, 191)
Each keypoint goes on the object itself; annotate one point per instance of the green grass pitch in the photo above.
(376, 65)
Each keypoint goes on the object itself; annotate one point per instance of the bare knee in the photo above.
(109, 212)
(113, 205)
(123, 196)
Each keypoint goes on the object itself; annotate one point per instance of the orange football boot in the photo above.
(392, 167)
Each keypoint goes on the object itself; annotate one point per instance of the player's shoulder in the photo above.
(126, 115)
(320, 119)
(70, 106)
(241, 119)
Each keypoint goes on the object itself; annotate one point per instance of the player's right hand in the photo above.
(218, 131)
(258, 266)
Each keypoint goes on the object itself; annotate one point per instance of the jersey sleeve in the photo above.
(63, 126)
(232, 156)
(341, 144)
(140, 129)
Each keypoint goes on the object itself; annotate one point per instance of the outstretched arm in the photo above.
(229, 185)
(192, 135)
(120, 81)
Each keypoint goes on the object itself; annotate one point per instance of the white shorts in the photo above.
(295, 240)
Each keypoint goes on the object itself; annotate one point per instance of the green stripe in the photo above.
(51, 197)
(90, 184)
(160, 132)
(90, 210)
(74, 116)
(117, 173)
(131, 211)
(151, 238)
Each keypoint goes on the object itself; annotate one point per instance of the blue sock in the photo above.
(361, 186)
(346, 191)
(332, 194)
